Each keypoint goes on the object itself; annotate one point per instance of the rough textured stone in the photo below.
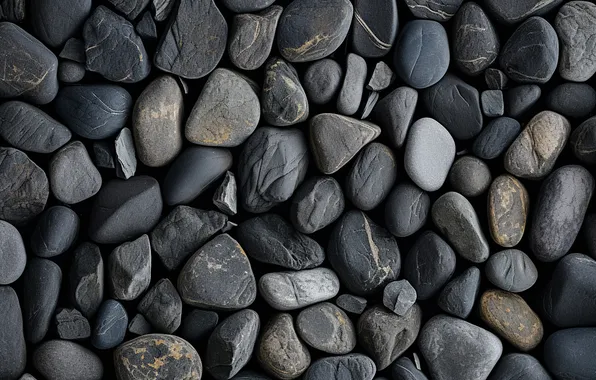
(87, 279)
(198, 325)
(162, 307)
(495, 79)
(146, 28)
(496, 137)
(508, 207)
(399, 296)
(441, 10)
(470, 176)
(111, 322)
(317, 203)
(55, 232)
(406, 209)
(12, 10)
(13, 350)
(129, 269)
(161, 9)
(381, 78)
(511, 270)
(65, 360)
(395, 113)
(55, 22)
(352, 366)
(519, 100)
(519, 366)
(575, 25)
(575, 100)
(459, 295)
(327, 328)
(589, 234)
(13, 256)
(322, 80)
(492, 103)
(374, 27)
(351, 303)
(103, 154)
(71, 325)
(224, 197)
(583, 141)
(350, 94)
(283, 100)
(126, 158)
(514, 11)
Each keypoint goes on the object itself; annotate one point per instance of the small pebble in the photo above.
(71, 72)
(224, 197)
(322, 80)
(198, 325)
(496, 137)
(470, 176)
(459, 295)
(399, 296)
(126, 159)
(519, 100)
(381, 78)
(350, 94)
(327, 328)
(283, 100)
(72, 325)
(139, 325)
(406, 209)
(583, 141)
(374, 27)
(317, 203)
(87, 279)
(511, 270)
(351, 303)
(162, 307)
(508, 207)
(495, 79)
(111, 322)
(492, 102)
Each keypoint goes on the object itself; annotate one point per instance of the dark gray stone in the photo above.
(511, 270)
(146, 28)
(371, 100)
(404, 369)
(317, 203)
(65, 360)
(439, 10)
(583, 141)
(350, 94)
(13, 350)
(130, 8)
(13, 256)
(327, 328)
(242, 6)
(519, 366)
(111, 322)
(139, 325)
(71, 325)
(459, 295)
(399, 297)
(322, 80)
(55, 22)
(198, 325)
(381, 78)
(74, 50)
(351, 304)
(129, 269)
(224, 197)
(520, 99)
(71, 72)
(283, 100)
(560, 353)
(470, 176)
(87, 279)
(492, 102)
(374, 27)
(496, 137)
(12, 10)
(161, 9)
(395, 113)
(126, 159)
(352, 366)
(495, 79)
(575, 100)
(575, 23)
(55, 232)
(406, 209)
(514, 11)
(103, 154)
(589, 234)
(162, 307)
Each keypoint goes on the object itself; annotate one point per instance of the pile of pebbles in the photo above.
(261, 189)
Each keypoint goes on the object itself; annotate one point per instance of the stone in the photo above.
(309, 30)
(508, 207)
(350, 94)
(519, 100)
(13, 256)
(295, 290)
(336, 139)
(12, 10)
(575, 100)
(381, 78)
(87, 279)
(226, 113)
(194, 40)
(513, 365)
(243, 6)
(270, 239)
(280, 352)
(65, 360)
(371, 100)
(103, 152)
(113, 48)
(322, 80)
(162, 307)
(224, 197)
(162, 8)
(404, 369)
(317, 203)
(54, 23)
(496, 137)
(421, 55)
(157, 122)
(514, 11)
(28, 128)
(176, 357)
(456, 105)
(511, 317)
(589, 234)
(429, 153)
(129, 269)
(139, 325)
(474, 40)
(74, 50)
(146, 28)
(583, 141)
(374, 27)
(13, 350)
(385, 336)
(26, 376)
(73, 176)
(327, 328)
(55, 232)
(459, 295)
(251, 37)
(126, 159)
(272, 164)
(221, 261)
(71, 72)
(198, 325)
(429, 264)
(399, 297)
(559, 211)
(560, 353)
(250, 375)
(470, 176)
(364, 255)
(41, 281)
(495, 79)
(456, 349)
(395, 113)
(352, 366)
(131, 9)
(351, 303)
(231, 344)
(406, 209)
(71, 325)
(442, 10)
(95, 111)
(575, 23)
(283, 100)
(511, 270)
(492, 102)
(34, 74)
(111, 322)
(455, 218)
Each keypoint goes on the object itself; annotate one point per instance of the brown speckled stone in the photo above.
(508, 206)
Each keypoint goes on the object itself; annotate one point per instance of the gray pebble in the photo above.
(161, 9)
(459, 295)
(583, 141)
(55, 232)
(519, 366)
(406, 209)
(374, 27)
(74, 50)
(470, 176)
(442, 10)
(496, 137)
(317, 203)
(511, 270)
(399, 297)
(224, 197)
(139, 325)
(65, 360)
(492, 102)
(514, 11)
(71, 325)
(126, 159)
(404, 369)
(87, 279)
(103, 154)
(146, 27)
(13, 256)
(131, 8)
(13, 349)
(519, 100)
(508, 207)
(250, 375)
(575, 24)
(322, 80)
(111, 322)
(495, 79)
(351, 303)
(129, 269)
(283, 100)
(71, 72)
(381, 78)
(352, 366)
(350, 94)
(162, 307)
(395, 113)
(198, 325)
(575, 100)
(326, 328)
(27, 376)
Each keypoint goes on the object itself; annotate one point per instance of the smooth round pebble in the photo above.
(470, 176)
(326, 328)
(406, 209)
(511, 270)
(322, 80)
(65, 360)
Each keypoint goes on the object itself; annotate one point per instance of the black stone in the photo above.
(87, 279)
(162, 307)
(317, 203)
(495, 79)
(561, 353)
(520, 99)
(395, 113)
(575, 100)
(374, 27)
(65, 360)
(130, 8)
(139, 325)
(514, 11)
(103, 153)
(146, 27)
(351, 304)
(470, 176)
(56, 231)
(198, 325)
(71, 72)
(406, 210)
(111, 322)
(13, 350)
(519, 366)
(322, 80)
(442, 10)
(583, 141)
(12, 10)
(327, 328)
(55, 22)
(575, 24)
(371, 100)
(404, 369)
(243, 6)
(589, 234)
(496, 137)
(71, 325)
(352, 366)
(459, 295)
(126, 159)
(74, 50)
(350, 94)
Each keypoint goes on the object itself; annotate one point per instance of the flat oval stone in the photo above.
(34, 74)
(177, 358)
(470, 176)
(352, 366)
(519, 100)
(559, 211)
(385, 336)
(13, 256)
(65, 360)
(508, 208)
(350, 94)
(317, 203)
(560, 353)
(394, 114)
(533, 153)
(575, 100)
(157, 122)
(442, 10)
(575, 23)
(374, 27)
(41, 281)
(198, 325)
(194, 41)
(496, 137)
(94, 111)
(459, 295)
(295, 290)
(12, 341)
(271, 166)
(162, 307)
(364, 254)
(13, 11)
(55, 232)
(511, 366)
(421, 55)
(124, 210)
(313, 29)
(71, 72)
(326, 328)
(270, 239)
(283, 100)
(218, 276)
(226, 113)
(71, 325)
(456, 349)
(455, 217)
(111, 322)
(514, 11)
(583, 141)
(87, 279)
(322, 80)
(351, 303)
(429, 153)
(129, 269)
(55, 23)
(406, 209)
(511, 317)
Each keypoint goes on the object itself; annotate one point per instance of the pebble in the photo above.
(129, 269)
(350, 94)
(194, 53)
(470, 176)
(73, 176)
(429, 153)
(381, 78)
(561, 353)
(35, 79)
(322, 80)
(226, 113)
(474, 40)
(519, 366)
(72, 325)
(514, 11)
(352, 366)
(583, 141)
(41, 279)
(162, 307)
(157, 122)
(13, 256)
(511, 270)
(421, 55)
(510, 316)
(374, 27)
(55, 232)
(198, 325)
(404, 369)
(94, 111)
(87, 279)
(455, 217)
(124, 210)
(459, 295)
(317, 203)
(55, 23)
(508, 207)
(221, 261)
(270, 239)
(313, 29)
(139, 325)
(224, 197)
(12, 10)
(177, 358)
(182, 232)
(442, 10)
(399, 297)
(496, 137)
(327, 328)
(28, 128)
(131, 9)
(251, 37)
(385, 336)
(406, 209)
(295, 290)
(280, 352)
(126, 159)
(111, 322)
(146, 28)
(576, 100)
(162, 8)
(73, 50)
(231, 344)
(271, 166)
(243, 6)
(13, 350)
(71, 72)
(492, 102)
(364, 255)
(351, 303)
(24, 191)
(64, 360)
(559, 211)
(456, 349)
(395, 113)
(519, 100)
(495, 79)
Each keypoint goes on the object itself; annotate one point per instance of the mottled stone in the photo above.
(65, 360)
(71, 325)
(41, 279)
(111, 322)
(583, 141)
(55, 232)
(496, 137)
(352, 366)
(406, 209)
(381, 78)
(13, 350)
(508, 207)
(129, 269)
(13, 256)
(512, 366)
(394, 114)
(575, 25)
(470, 176)
(350, 94)
(322, 80)
(283, 100)
(326, 328)
(575, 100)
(439, 10)
(87, 279)
(162, 307)
(459, 295)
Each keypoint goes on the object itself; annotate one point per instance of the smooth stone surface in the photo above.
(496, 137)
(404, 369)
(574, 100)
(13, 350)
(406, 209)
(470, 176)
(146, 28)
(459, 295)
(399, 296)
(442, 10)
(317, 203)
(295, 290)
(374, 27)
(326, 328)
(13, 256)
(381, 78)
(41, 279)
(131, 8)
(394, 114)
(71, 72)
(583, 141)
(111, 322)
(65, 360)
(520, 99)
(495, 79)
(73, 50)
(511, 270)
(322, 80)
(283, 100)
(560, 353)
(55, 232)
(12, 10)
(514, 11)
(139, 325)
(508, 208)
(225, 196)
(162, 307)
(352, 366)
(71, 325)
(198, 325)
(126, 159)
(492, 103)
(350, 94)
(129, 269)
(516, 366)
(351, 303)
(575, 24)
(54, 22)
(243, 6)
(87, 279)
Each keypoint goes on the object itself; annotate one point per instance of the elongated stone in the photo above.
(574, 100)
(442, 10)
(56, 231)
(87, 279)
(508, 207)
(350, 94)
(126, 157)
(13, 349)
(459, 295)
(283, 100)
(111, 322)
(224, 197)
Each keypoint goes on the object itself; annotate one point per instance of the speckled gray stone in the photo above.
(317, 203)
(511, 270)
(65, 360)
(492, 103)
(399, 297)
(13, 256)
(87, 279)
(459, 295)
(129, 269)
(111, 322)
(394, 114)
(406, 209)
(322, 80)
(352, 366)
(350, 94)
(327, 328)
(162, 307)
(55, 232)
(71, 72)
(14, 348)
(470, 176)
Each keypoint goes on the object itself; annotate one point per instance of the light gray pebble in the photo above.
(126, 158)
(382, 77)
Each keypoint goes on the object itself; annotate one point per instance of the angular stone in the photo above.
(71, 72)
(399, 297)
(111, 322)
(374, 27)
(139, 325)
(520, 99)
(13, 350)
(496, 137)
(350, 94)
(74, 50)
(395, 113)
(162, 307)
(352, 366)
(351, 304)
(511, 366)
(146, 28)
(87, 279)
(13, 256)
(55, 232)
(130, 8)
(326, 328)
(224, 197)
(495, 79)
(129, 269)
(162, 8)
(243, 6)
(508, 207)
(404, 369)
(575, 25)
(576, 100)
(322, 80)
(41, 281)
(198, 325)
(65, 360)
(54, 23)
(514, 11)
(103, 152)
(71, 325)
(406, 209)
(381, 78)
(317, 203)
(125, 154)
(492, 103)
(583, 141)
(470, 176)
(442, 10)
(12, 10)
(459, 295)
(283, 100)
